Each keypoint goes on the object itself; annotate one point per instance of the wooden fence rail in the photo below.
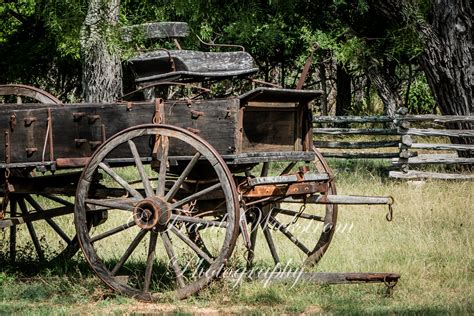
(409, 153)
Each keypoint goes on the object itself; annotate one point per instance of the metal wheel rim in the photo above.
(228, 186)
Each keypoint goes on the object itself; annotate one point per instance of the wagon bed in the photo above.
(251, 128)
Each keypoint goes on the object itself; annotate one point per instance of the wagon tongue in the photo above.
(307, 187)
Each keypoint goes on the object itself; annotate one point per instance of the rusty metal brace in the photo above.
(7, 187)
(389, 285)
(158, 118)
(243, 222)
(48, 139)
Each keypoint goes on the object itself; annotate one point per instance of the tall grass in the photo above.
(429, 242)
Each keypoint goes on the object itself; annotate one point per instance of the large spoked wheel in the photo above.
(35, 227)
(149, 190)
(19, 91)
(38, 228)
(292, 234)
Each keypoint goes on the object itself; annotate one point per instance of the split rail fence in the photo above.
(397, 140)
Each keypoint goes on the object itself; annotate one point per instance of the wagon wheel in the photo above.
(20, 90)
(293, 234)
(36, 239)
(38, 228)
(143, 249)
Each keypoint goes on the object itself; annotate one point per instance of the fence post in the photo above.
(405, 140)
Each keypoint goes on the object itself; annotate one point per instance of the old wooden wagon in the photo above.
(160, 190)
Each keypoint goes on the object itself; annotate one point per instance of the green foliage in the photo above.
(420, 98)
(39, 44)
(39, 40)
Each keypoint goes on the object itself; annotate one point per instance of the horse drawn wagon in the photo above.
(159, 190)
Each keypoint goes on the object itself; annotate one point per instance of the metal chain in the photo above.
(6, 190)
(248, 254)
(389, 215)
(295, 218)
(389, 285)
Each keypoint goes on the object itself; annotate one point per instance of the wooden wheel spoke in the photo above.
(288, 168)
(253, 241)
(57, 199)
(58, 230)
(265, 168)
(113, 231)
(120, 181)
(289, 235)
(270, 243)
(196, 220)
(174, 189)
(125, 204)
(191, 244)
(50, 221)
(163, 158)
(150, 260)
(173, 260)
(296, 214)
(141, 170)
(195, 196)
(13, 210)
(133, 245)
(31, 230)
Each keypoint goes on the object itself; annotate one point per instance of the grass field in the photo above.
(429, 243)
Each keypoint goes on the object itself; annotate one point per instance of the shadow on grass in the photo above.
(132, 273)
(360, 167)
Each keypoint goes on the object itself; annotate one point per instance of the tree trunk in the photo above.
(101, 68)
(343, 86)
(324, 98)
(386, 89)
(447, 58)
(448, 61)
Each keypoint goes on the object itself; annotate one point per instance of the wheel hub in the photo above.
(152, 213)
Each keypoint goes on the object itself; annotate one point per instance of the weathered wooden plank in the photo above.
(155, 30)
(442, 146)
(157, 65)
(438, 118)
(439, 132)
(352, 119)
(387, 119)
(213, 120)
(279, 95)
(356, 131)
(343, 199)
(314, 277)
(288, 179)
(355, 145)
(392, 131)
(434, 159)
(77, 129)
(360, 155)
(247, 158)
(414, 174)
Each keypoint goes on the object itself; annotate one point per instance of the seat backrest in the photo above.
(155, 30)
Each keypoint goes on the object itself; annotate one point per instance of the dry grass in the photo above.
(429, 243)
